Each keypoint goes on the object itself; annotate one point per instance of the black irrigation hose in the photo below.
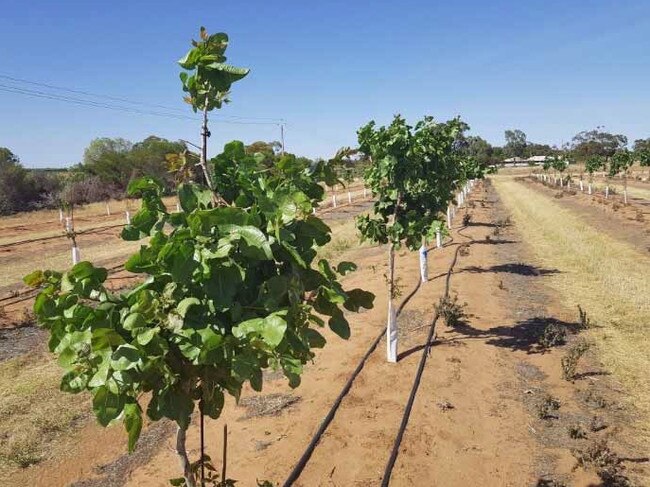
(54, 237)
(302, 462)
(418, 377)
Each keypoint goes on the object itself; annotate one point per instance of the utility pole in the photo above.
(282, 136)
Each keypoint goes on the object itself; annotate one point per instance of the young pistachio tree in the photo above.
(546, 166)
(412, 175)
(560, 165)
(643, 156)
(593, 164)
(620, 163)
(208, 81)
(231, 287)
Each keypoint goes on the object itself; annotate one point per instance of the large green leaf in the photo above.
(106, 405)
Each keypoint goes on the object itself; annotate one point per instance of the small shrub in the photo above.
(451, 311)
(577, 432)
(607, 464)
(552, 336)
(550, 483)
(584, 321)
(501, 286)
(467, 218)
(571, 359)
(464, 250)
(547, 406)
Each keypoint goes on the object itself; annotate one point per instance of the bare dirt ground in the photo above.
(482, 415)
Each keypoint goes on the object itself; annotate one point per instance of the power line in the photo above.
(226, 119)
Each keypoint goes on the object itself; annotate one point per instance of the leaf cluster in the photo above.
(210, 77)
(413, 173)
(229, 289)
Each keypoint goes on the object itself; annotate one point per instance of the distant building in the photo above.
(520, 161)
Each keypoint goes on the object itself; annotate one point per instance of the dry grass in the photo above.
(344, 236)
(34, 415)
(605, 276)
(13, 268)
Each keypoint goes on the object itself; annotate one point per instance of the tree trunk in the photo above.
(391, 327)
(182, 455)
(424, 271)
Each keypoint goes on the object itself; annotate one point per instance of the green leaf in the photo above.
(126, 357)
(185, 305)
(252, 235)
(314, 338)
(133, 423)
(193, 196)
(34, 279)
(106, 405)
(346, 267)
(358, 298)
(339, 325)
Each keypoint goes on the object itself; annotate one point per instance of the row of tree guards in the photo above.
(67, 220)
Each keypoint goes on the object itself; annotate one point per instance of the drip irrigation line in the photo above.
(304, 459)
(418, 377)
(54, 237)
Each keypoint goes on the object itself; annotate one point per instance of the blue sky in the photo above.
(551, 68)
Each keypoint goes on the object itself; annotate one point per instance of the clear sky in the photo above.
(551, 68)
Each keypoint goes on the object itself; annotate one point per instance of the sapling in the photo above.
(593, 164)
(643, 156)
(412, 174)
(620, 163)
(232, 287)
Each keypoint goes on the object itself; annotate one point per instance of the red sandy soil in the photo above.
(474, 421)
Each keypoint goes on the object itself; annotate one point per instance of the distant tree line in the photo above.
(583, 145)
(107, 167)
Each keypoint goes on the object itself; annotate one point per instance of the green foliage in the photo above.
(596, 143)
(559, 164)
(515, 143)
(15, 184)
(209, 79)
(643, 156)
(594, 163)
(229, 290)
(117, 161)
(620, 162)
(413, 175)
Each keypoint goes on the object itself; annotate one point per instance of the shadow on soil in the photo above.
(512, 268)
(523, 335)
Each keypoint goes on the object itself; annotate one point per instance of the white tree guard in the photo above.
(334, 200)
(76, 255)
(365, 192)
(68, 224)
(424, 271)
(589, 188)
(582, 188)
(448, 216)
(127, 215)
(438, 239)
(391, 334)
(349, 197)
(61, 216)
(108, 210)
(178, 207)
(606, 192)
